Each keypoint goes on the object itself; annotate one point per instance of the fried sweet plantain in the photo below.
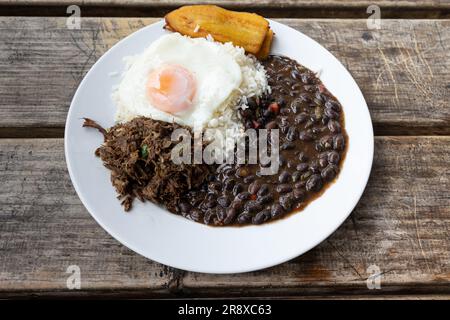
(263, 53)
(247, 30)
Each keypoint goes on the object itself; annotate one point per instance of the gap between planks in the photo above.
(386, 131)
(144, 294)
(282, 9)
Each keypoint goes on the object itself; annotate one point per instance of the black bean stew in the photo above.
(312, 147)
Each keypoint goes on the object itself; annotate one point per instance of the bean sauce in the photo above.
(312, 147)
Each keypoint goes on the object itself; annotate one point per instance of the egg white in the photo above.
(216, 71)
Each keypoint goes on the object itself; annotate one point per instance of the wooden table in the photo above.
(400, 227)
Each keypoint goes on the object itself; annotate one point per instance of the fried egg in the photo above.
(178, 79)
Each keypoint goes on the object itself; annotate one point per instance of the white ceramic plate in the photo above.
(175, 241)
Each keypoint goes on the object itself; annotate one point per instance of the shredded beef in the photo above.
(138, 153)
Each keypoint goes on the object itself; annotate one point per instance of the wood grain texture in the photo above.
(45, 229)
(402, 69)
(401, 225)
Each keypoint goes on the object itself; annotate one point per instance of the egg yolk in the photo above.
(171, 88)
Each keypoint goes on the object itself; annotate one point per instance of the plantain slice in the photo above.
(247, 30)
(263, 53)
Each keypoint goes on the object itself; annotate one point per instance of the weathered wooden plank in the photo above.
(401, 225)
(402, 69)
(45, 229)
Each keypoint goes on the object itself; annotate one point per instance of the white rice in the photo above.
(254, 84)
